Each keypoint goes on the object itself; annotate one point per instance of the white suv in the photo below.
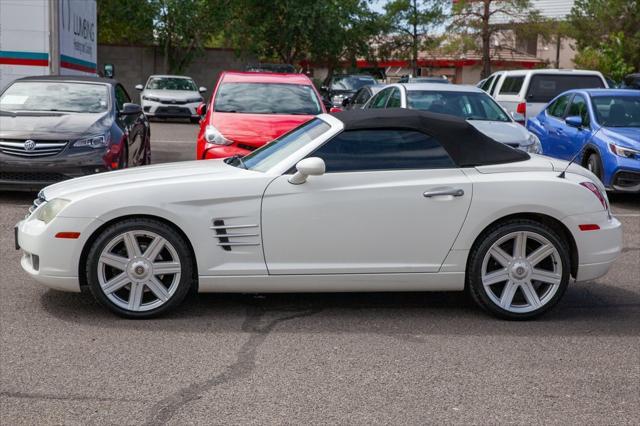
(524, 93)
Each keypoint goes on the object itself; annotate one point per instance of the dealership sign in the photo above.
(78, 36)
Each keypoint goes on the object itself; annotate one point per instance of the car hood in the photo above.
(52, 125)
(509, 133)
(625, 136)
(177, 95)
(138, 177)
(256, 129)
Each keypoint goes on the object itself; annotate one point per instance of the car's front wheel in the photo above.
(139, 268)
(594, 165)
(519, 269)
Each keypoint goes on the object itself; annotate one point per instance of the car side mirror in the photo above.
(202, 89)
(346, 102)
(201, 110)
(312, 166)
(131, 109)
(139, 87)
(574, 121)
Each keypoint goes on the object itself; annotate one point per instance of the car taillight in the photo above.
(594, 189)
(522, 108)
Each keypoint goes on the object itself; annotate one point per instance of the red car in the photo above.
(249, 109)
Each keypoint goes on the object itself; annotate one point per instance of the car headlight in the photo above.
(213, 135)
(534, 147)
(150, 98)
(49, 210)
(623, 152)
(99, 141)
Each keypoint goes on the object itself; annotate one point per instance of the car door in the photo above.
(127, 123)
(574, 137)
(375, 210)
(553, 142)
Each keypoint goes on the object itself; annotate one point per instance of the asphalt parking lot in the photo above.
(401, 358)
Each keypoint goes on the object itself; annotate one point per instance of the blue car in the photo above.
(601, 128)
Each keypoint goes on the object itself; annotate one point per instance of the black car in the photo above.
(631, 81)
(361, 97)
(60, 127)
(339, 87)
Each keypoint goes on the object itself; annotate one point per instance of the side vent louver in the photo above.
(233, 235)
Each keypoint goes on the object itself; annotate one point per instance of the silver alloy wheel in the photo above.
(521, 272)
(139, 270)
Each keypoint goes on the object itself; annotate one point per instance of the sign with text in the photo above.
(78, 37)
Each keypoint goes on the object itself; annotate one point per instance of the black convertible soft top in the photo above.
(467, 146)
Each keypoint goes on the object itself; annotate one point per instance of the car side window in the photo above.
(382, 149)
(121, 97)
(394, 100)
(487, 83)
(559, 106)
(512, 85)
(380, 100)
(494, 85)
(579, 108)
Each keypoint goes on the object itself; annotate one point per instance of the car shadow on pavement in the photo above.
(593, 309)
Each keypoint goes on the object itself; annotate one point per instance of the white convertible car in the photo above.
(378, 200)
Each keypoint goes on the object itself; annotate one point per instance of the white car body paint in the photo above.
(364, 231)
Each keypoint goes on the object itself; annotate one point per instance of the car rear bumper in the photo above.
(597, 249)
(31, 174)
(224, 151)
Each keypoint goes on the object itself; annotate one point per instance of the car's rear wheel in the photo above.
(594, 164)
(139, 268)
(518, 270)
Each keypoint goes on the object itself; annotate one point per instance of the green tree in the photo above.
(125, 21)
(184, 27)
(484, 18)
(292, 30)
(607, 34)
(412, 24)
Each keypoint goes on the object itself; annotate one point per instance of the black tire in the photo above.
(483, 245)
(186, 279)
(594, 164)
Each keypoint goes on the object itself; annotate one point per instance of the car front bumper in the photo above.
(597, 249)
(53, 261)
(32, 174)
(170, 110)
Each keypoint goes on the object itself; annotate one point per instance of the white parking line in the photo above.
(626, 214)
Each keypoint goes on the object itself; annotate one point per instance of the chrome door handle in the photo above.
(442, 192)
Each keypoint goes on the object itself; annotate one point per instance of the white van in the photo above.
(524, 93)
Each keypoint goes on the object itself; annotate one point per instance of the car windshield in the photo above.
(267, 98)
(272, 153)
(351, 83)
(55, 96)
(468, 105)
(169, 83)
(617, 111)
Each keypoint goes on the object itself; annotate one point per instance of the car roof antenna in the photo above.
(563, 173)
